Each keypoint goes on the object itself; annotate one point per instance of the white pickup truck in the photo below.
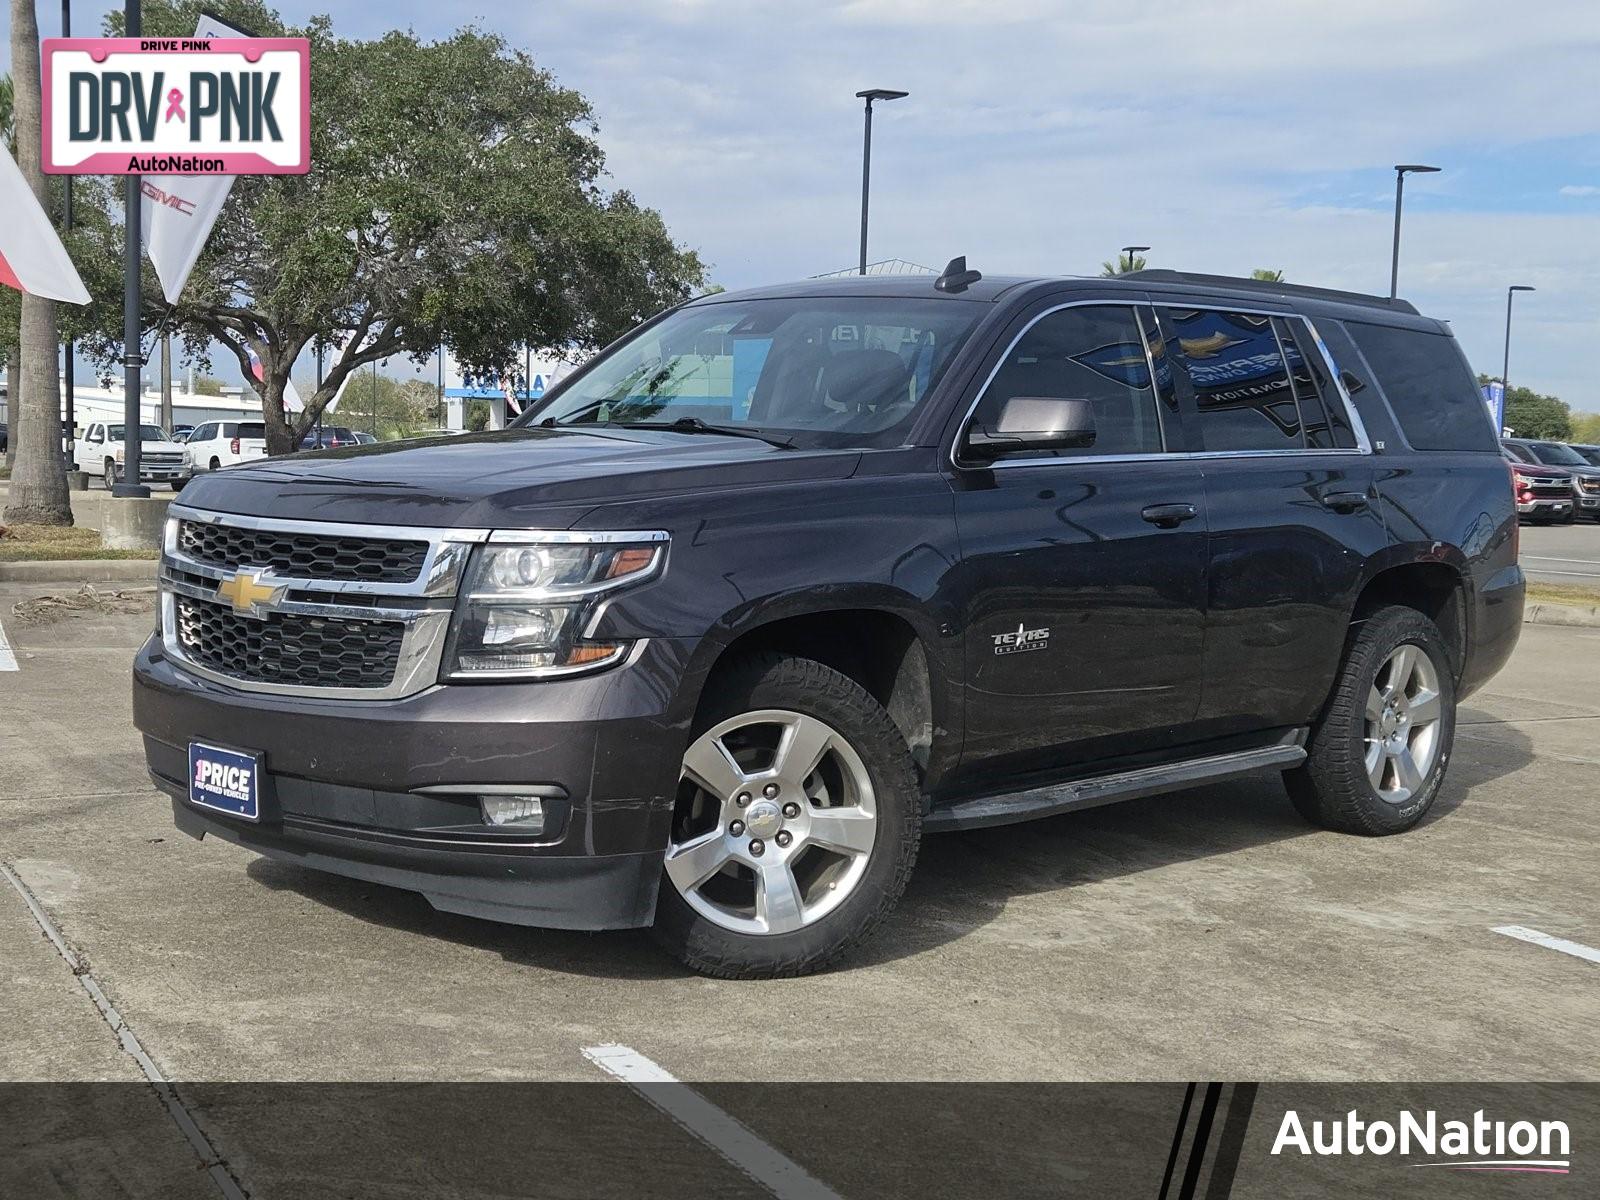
(101, 451)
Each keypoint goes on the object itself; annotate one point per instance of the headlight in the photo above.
(528, 600)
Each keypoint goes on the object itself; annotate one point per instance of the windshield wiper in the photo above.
(696, 425)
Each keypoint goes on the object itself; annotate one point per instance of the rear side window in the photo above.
(252, 429)
(1429, 386)
(1239, 380)
(1322, 410)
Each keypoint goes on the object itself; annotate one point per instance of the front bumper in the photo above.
(345, 784)
(1544, 508)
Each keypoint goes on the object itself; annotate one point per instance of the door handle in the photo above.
(1345, 502)
(1169, 516)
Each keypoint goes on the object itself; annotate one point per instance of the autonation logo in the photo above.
(1476, 1145)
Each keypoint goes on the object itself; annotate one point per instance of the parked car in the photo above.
(1545, 495)
(218, 444)
(328, 436)
(1591, 454)
(180, 433)
(102, 451)
(366, 439)
(1585, 476)
(790, 577)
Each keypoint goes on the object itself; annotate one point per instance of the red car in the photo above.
(1544, 494)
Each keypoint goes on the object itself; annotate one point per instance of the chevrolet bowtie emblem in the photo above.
(247, 594)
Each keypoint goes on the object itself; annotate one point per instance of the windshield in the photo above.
(1591, 454)
(1556, 454)
(147, 433)
(815, 371)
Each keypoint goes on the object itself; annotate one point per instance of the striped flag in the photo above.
(32, 258)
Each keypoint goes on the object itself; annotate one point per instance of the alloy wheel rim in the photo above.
(774, 825)
(1403, 713)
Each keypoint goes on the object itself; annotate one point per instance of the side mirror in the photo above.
(1033, 423)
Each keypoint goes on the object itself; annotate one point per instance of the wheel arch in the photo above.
(876, 638)
(1435, 586)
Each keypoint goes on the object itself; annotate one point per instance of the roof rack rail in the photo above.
(1162, 275)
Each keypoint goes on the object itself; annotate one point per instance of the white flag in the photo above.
(179, 210)
(32, 258)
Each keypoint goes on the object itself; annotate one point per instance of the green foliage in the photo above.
(385, 407)
(454, 197)
(1586, 429)
(1530, 414)
(1267, 275)
(476, 418)
(206, 385)
(8, 127)
(1122, 264)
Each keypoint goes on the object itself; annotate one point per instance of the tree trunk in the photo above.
(13, 390)
(39, 475)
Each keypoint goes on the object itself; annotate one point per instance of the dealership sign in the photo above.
(192, 106)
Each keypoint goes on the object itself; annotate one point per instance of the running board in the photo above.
(1104, 789)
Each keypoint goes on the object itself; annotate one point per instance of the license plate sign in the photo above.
(226, 781)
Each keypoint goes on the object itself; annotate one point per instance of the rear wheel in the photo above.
(1378, 755)
(797, 822)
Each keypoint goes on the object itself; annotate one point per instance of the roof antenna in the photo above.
(956, 277)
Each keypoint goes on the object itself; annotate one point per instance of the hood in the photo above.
(1540, 471)
(155, 447)
(514, 478)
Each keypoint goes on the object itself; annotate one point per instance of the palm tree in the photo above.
(1266, 276)
(1122, 264)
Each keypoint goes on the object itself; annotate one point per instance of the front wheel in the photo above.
(1378, 755)
(110, 475)
(796, 825)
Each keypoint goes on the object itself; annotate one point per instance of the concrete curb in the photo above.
(1573, 616)
(80, 570)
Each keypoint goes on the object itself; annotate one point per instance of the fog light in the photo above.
(523, 812)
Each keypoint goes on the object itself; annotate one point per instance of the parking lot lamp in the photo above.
(1505, 363)
(1400, 171)
(869, 96)
(1129, 252)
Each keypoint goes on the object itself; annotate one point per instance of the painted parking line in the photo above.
(1588, 562)
(1570, 574)
(768, 1166)
(8, 660)
(1524, 934)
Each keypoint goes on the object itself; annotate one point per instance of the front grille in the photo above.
(289, 648)
(304, 555)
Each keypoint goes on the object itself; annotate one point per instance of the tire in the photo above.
(110, 475)
(764, 710)
(1336, 787)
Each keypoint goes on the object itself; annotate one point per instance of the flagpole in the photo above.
(132, 359)
(70, 424)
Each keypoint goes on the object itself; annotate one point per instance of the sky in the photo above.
(1039, 137)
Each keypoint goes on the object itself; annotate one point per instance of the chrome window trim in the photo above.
(1363, 444)
(602, 537)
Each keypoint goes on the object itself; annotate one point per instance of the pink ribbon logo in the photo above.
(175, 105)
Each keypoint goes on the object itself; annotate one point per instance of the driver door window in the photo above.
(1091, 352)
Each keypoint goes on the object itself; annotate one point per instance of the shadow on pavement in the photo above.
(962, 882)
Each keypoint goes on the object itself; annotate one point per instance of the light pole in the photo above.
(1130, 251)
(132, 359)
(1400, 171)
(1505, 363)
(869, 96)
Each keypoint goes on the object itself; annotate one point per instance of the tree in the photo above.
(205, 385)
(386, 407)
(1122, 264)
(1586, 428)
(1266, 275)
(1533, 415)
(39, 474)
(454, 197)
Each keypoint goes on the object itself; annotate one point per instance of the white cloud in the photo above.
(1585, 189)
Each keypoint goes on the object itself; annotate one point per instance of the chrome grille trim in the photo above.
(424, 605)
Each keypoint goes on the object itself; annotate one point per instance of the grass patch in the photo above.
(52, 543)
(1551, 593)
